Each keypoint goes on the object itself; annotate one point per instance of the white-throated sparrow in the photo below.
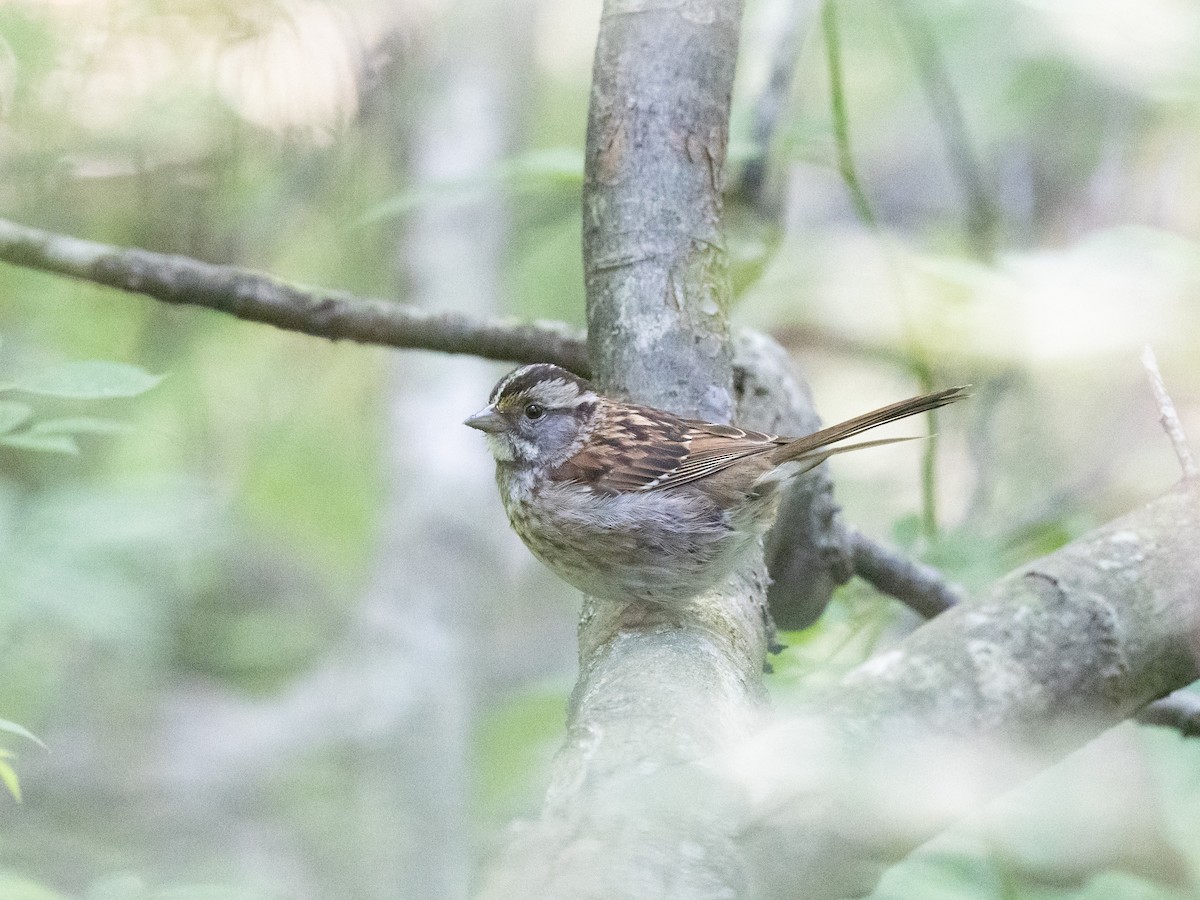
(630, 502)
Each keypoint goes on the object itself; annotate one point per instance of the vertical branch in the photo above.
(420, 622)
(659, 690)
(654, 254)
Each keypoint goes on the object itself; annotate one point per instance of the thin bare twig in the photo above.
(1168, 416)
(257, 297)
(916, 585)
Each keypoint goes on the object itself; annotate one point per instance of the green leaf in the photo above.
(12, 414)
(8, 775)
(87, 380)
(42, 443)
(79, 425)
(20, 731)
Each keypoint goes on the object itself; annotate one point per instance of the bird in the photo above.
(633, 503)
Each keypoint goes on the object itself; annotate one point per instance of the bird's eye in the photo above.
(534, 411)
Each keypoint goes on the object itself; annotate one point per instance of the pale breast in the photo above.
(654, 546)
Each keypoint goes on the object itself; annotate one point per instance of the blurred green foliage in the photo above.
(93, 380)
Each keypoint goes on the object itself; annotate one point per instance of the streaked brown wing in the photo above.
(641, 449)
(637, 448)
(712, 448)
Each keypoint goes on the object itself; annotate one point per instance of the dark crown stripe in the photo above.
(522, 380)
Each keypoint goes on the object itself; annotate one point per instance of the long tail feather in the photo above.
(805, 446)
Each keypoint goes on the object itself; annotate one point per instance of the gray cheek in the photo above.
(554, 436)
(527, 450)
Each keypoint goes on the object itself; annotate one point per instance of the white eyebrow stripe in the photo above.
(557, 393)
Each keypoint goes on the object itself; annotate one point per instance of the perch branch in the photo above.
(658, 688)
(261, 298)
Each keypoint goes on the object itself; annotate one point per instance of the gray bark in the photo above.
(654, 255)
(808, 550)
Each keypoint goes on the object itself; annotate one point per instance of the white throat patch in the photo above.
(501, 451)
(506, 447)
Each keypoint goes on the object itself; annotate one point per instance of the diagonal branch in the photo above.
(976, 701)
(257, 297)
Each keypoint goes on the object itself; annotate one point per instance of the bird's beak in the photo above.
(487, 420)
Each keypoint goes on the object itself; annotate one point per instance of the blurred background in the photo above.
(270, 622)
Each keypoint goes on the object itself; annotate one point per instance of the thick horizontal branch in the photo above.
(925, 591)
(261, 298)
